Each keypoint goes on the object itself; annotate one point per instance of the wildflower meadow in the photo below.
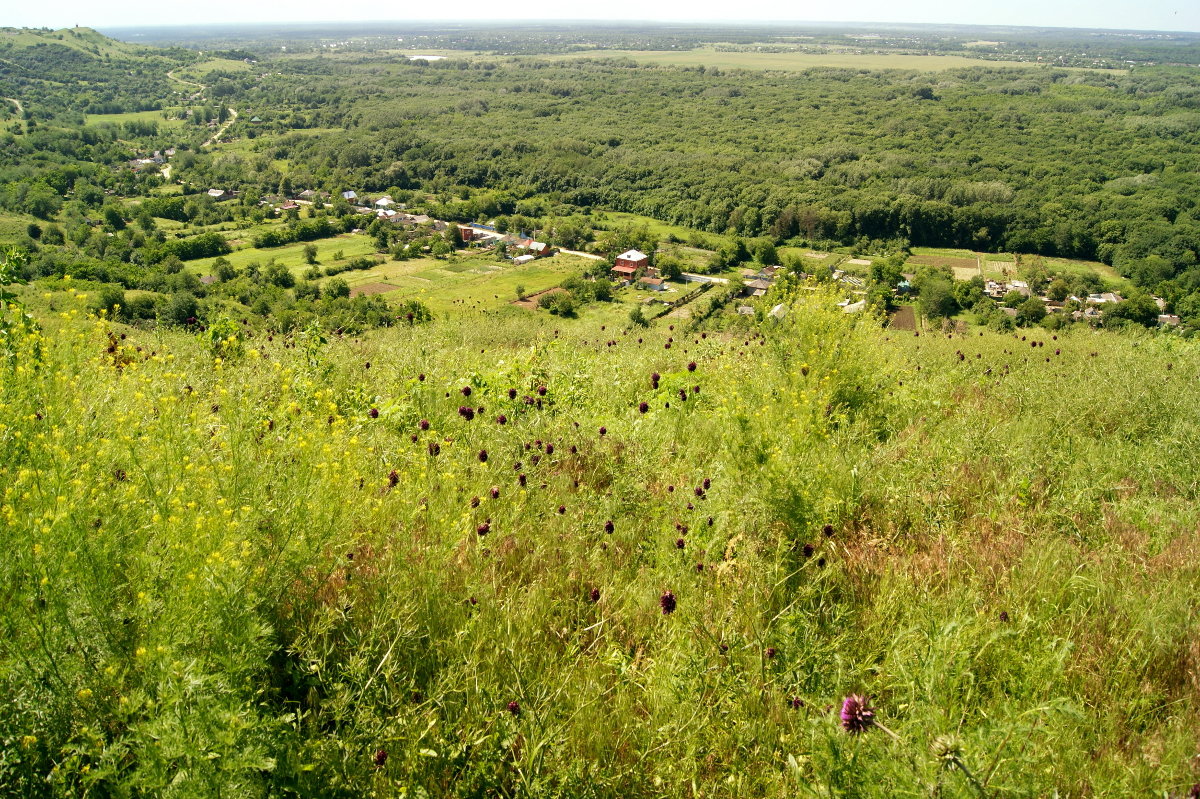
(521, 555)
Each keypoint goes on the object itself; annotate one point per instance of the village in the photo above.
(635, 269)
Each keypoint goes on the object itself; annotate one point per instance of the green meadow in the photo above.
(252, 565)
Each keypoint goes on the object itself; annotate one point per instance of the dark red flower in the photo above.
(549, 449)
(808, 550)
(771, 652)
(393, 478)
(421, 377)
(501, 419)
(474, 502)
(594, 595)
(1004, 616)
(483, 456)
(373, 413)
(466, 413)
(466, 391)
(521, 479)
(667, 603)
(512, 393)
(380, 758)
(608, 527)
(495, 492)
(484, 528)
(423, 424)
(435, 448)
(562, 509)
(643, 407)
(603, 430)
(691, 366)
(857, 714)
(680, 543)
(514, 707)
(541, 391)
(827, 530)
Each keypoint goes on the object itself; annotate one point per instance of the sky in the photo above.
(1173, 15)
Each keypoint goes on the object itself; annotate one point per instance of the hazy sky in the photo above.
(1177, 15)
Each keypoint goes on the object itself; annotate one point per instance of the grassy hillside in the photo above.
(299, 567)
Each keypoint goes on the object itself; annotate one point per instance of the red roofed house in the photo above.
(628, 263)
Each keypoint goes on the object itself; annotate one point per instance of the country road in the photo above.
(221, 130)
(20, 109)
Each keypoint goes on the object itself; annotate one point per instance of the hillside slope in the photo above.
(384, 566)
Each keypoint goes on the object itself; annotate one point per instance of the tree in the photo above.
(310, 254)
(1058, 291)
(335, 289)
(1030, 312)
(1139, 309)
(638, 317)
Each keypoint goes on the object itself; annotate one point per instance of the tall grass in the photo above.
(236, 578)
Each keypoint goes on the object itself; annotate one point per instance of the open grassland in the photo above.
(470, 283)
(711, 57)
(350, 245)
(163, 122)
(305, 569)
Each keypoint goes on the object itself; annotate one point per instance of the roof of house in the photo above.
(653, 281)
(758, 284)
(625, 270)
(633, 255)
(384, 201)
(523, 259)
(216, 192)
(349, 195)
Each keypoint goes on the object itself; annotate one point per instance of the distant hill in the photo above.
(84, 40)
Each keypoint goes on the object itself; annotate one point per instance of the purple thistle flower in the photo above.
(562, 509)
(691, 366)
(707, 483)
(808, 550)
(393, 478)
(484, 528)
(474, 502)
(667, 603)
(495, 492)
(512, 393)
(501, 419)
(680, 543)
(466, 391)
(603, 430)
(1004, 616)
(594, 595)
(699, 491)
(521, 479)
(796, 702)
(608, 527)
(466, 413)
(643, 407)
(483, 456)
(380, 758)
(421, 377)
(857, 714)
(541, 390)
(827, 530)
(514, 707)
(423, 424)
(373, 413)
(771, 652)
(699, 567)
(654, 378)
(435, 448)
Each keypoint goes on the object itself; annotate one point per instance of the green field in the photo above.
(711, 57)
(468, 283)
(137, 116)
(292, 255)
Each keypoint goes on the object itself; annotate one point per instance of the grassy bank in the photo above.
(303, 570)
